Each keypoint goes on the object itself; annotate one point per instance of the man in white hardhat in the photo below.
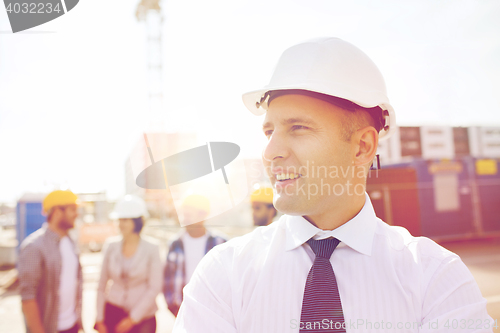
(329, 264)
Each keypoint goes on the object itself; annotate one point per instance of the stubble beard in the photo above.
(260, 221)
(290, 204)
(66, 225)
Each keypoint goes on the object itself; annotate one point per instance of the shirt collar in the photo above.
(357, 233)
(51, 234)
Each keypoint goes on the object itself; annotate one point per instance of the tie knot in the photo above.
(324, 247)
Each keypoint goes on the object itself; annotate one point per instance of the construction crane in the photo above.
(149, 11)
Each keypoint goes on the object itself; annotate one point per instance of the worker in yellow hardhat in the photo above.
(50, 274)
(58, 202)
(263, 211)
(188, 248)
(195, 209)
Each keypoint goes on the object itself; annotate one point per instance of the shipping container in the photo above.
(394, 195)
(433, 198)
(484, 142)
(411, 144)
(389, 150)
(461, 141)
(445, 195)
(487, 177)
(437, 142)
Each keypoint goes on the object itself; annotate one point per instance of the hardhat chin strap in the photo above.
(385, 119)
(378, 163)
(263, 101)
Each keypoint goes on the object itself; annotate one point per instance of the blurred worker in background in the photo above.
(263, 211)
(187, 249)
(50, 274)
(133, 264)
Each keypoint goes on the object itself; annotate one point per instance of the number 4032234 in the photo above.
(33, 8)
(470, 324)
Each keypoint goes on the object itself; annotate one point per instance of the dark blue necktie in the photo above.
(321, 306)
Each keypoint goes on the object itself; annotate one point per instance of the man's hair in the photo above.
(52, 210)
(358, 116)
(138, 224)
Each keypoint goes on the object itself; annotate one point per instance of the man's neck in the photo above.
(337, 215)
(196, 232)
(60, 232)
(132, 238)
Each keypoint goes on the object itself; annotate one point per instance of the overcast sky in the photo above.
(73, 92)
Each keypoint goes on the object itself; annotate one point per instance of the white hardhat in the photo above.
(332, 67)
(130, 207)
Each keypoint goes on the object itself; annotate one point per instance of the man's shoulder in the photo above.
(401, 240)
(35, 239)
(218, 236)
(176, 239)
(239, 253)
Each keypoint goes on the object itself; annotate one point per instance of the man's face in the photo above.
(193, 215)
(304, 136)
(126, 226)
(68, 216)
(195, 226)
(261, 213)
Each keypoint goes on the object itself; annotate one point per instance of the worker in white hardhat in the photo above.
(328, 262)
(133, 208)
(132, 263)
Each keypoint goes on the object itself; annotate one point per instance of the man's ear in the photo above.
(365, 142)
(53, 214)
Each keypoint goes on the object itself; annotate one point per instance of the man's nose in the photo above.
(277, 147)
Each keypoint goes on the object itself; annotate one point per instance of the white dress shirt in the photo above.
(194, 251)
(388, 280)
(67, 285)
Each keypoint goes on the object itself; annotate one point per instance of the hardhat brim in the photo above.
(251, 99)
(114, 215)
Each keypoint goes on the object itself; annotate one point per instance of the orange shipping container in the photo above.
(97, 233)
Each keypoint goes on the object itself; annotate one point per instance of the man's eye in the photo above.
(268, 133)
(298, 127)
